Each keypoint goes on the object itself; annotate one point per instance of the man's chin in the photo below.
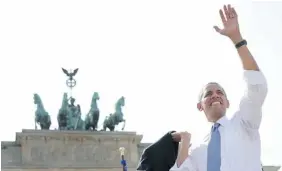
(216, 111)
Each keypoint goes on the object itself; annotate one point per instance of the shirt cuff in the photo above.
(185, 166)
(254, 77)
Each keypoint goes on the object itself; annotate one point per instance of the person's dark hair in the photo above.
(203, 88)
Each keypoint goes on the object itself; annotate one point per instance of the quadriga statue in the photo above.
(114, 119)
(92, 118)
(42, 117)
(64, 114)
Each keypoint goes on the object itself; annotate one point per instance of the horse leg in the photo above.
(104, 128)
(48, 127)
(123, 124)
(86, 126)
(112, 128)
(95, 125)
(41, 126)
(49, 124)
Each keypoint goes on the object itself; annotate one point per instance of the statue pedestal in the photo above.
(77, 149)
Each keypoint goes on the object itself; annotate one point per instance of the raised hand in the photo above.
(181, 136)
(176, 136)
(230, 23)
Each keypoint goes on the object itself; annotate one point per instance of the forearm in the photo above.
(247, 59)
(182, 153)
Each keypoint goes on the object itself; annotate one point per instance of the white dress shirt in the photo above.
(240, 139)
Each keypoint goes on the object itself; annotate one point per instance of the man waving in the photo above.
(233, 144)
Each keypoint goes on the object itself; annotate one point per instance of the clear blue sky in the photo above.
(155, 53)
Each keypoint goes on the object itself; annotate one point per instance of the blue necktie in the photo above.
(214, 159)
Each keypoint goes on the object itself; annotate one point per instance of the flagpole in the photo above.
(122, 161)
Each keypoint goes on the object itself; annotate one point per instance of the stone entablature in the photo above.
(70, 149)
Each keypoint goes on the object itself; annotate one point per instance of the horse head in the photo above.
(95, 96)
(36, 98)
(65, 100)
(120, 101)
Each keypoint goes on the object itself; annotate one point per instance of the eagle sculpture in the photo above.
(71, 74)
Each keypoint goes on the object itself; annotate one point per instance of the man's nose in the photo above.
(215, 96)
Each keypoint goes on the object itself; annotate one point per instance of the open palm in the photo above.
(229, 20)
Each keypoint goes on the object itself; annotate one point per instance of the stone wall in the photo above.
(10, 154)
(70, 150)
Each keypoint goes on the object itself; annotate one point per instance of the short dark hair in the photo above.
(203, 88)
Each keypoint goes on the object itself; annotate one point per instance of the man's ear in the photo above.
(199, 106)
(227, 105)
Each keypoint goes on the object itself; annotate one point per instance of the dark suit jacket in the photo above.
(160, 156)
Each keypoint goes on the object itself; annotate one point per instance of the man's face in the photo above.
(213, 102)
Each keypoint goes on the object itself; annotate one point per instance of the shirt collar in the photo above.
(222, 121)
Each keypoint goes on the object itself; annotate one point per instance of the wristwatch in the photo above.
(242, 43)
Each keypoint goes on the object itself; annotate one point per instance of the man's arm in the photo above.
(184, 161)
(247, 59)
(252, 101)
(250, 110)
